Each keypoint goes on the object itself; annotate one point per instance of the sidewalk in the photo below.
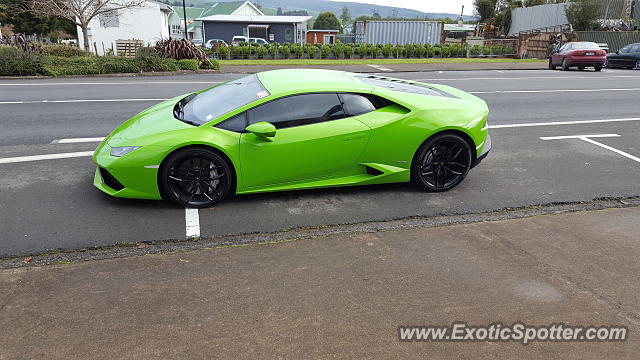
(393, 67)
(339, 296)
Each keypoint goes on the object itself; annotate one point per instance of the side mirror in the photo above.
(262, 129)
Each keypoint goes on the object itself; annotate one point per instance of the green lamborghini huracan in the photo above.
(295, 129)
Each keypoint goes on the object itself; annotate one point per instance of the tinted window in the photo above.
(221, 99)
(355, 104)
(236, 123)
(635, 48)
(298, 110)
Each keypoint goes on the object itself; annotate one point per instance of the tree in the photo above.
(81, 12)
(279, 12)
(582, 14)
(376, 14)
(486, 9)
(27, 23)
(327, 21)
(345, 17)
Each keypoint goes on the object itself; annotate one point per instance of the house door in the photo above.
(329, 39)
(258, 31)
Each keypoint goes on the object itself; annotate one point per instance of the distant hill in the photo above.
(314, 7)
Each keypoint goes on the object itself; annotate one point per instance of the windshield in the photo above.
(198, 109)
(585, 46)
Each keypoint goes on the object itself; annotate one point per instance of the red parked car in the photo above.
(578, 54)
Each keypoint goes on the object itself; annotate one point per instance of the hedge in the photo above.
(14, 61)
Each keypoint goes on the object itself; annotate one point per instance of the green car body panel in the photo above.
(323, 154)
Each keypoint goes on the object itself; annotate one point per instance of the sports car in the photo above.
(295, 129)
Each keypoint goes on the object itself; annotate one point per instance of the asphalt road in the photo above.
(51, 204)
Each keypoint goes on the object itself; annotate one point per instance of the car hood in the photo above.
(138, 130)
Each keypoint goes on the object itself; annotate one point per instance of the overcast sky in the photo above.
(440, 6)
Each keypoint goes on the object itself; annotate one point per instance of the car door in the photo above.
(557, 57)
(635, 56)
(314, 140)
(623, 57)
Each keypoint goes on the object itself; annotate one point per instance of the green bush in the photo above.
(15, 61)
(348, 51)
(286, 51)
(62, 50)
(212, 64)
(325, 50)
(223, 52)
(189, 64)
(152, 63)
(61, 66)
(262, 51)
(363, 50)
(118, 64)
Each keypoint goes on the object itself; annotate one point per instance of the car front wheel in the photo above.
(565, 65)
(551, 66)
(441, 163)
(196, 177)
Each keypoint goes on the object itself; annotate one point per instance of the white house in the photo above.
(148, 23)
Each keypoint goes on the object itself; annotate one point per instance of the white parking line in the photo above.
(76, 101)
(381, 68)
(77, 140)
(556, 123)
(588, 139)
(549, 91)
(18, 159)
(111, 83)
(192, 222)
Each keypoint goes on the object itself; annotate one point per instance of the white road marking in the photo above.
(76, 101)
(77, 140)
(381, 68)
(588, 139)
(556, 123)
(528, 77)
(111, 83)
(192, 222)
(549, 91)
(577, 136)
(18, 159)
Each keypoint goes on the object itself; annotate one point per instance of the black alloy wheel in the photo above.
(196, 178)
(442, 162)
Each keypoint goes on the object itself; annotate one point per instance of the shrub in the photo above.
(311, 50)
(212, 64)
(118, 64)
(476, 50)
(325, 50)
(15, 61)
(363, 50)
(152, 63)
(398, 50)
(223, 52)
(246, 51)
(286, 51)
(179, 49)
(298, 51)
(60, 66)
(189, 64)
(62, 50)
(274, 50)
(262, 51)
(348, 51)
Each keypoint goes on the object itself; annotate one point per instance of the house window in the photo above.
(329, 39)
(109, 19)
(288, 35)
(176, 29)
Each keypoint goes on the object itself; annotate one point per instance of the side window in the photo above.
(235, 123)
(635, 49)
(298, 110)
(355, 104)
(625, 49)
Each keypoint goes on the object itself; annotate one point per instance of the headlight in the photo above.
(120, 151)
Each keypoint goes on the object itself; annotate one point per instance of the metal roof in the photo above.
(256, 19)
(456, 27)
(327, 30)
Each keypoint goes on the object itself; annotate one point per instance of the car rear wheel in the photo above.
(551, 66)
(637, 64)
(196, 178)
(598, 68)
(441, 163)
(565, 66)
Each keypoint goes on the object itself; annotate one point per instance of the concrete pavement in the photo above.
(338, 296)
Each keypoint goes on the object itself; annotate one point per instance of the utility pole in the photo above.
(184, 14)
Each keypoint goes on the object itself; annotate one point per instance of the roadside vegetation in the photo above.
(343, 51)
(19, 57)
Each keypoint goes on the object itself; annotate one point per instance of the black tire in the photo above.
(196, 177)
(441, 163)
(565, 66)
(637, 64)
(580, 68)
(597, 68)
(551, 66)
